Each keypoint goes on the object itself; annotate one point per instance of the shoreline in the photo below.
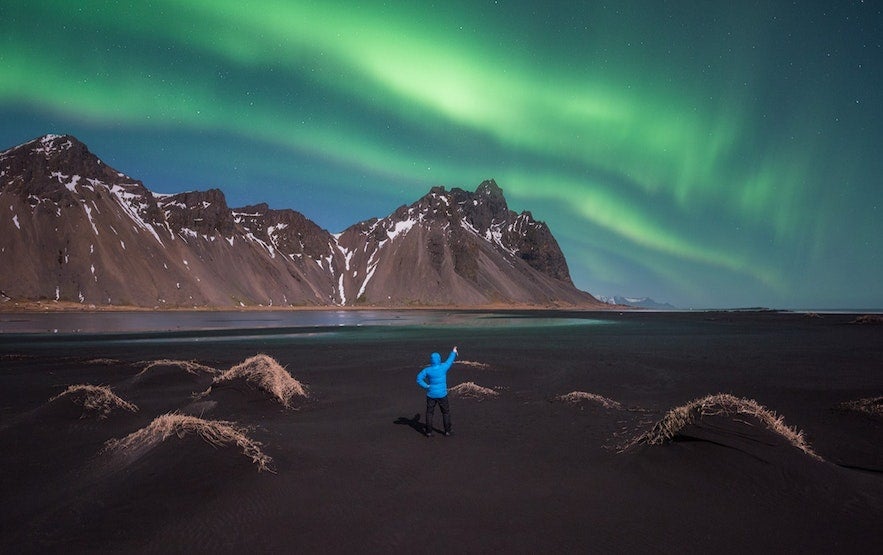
(48, 307)
(31, 307)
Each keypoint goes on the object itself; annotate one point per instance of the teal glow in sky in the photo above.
(707, 154)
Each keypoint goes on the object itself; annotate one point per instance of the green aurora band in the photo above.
(673, 153)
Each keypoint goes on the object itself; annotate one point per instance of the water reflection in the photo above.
(140, 322)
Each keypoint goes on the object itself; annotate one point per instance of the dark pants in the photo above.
(446, 412)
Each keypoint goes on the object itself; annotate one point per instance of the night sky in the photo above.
(706, 154)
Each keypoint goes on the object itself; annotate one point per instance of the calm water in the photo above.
(176, 327)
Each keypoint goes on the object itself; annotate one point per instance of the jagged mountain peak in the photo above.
(203, 212)
(489, 189)
(48, 146)
(287, 230)
(81, 231)
(196, 199)
(56, 166)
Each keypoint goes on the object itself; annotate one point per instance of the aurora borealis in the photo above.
(706, 154)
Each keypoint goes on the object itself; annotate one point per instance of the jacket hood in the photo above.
(435, 358)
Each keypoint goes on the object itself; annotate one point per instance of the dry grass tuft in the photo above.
(265, 373)
(189, 366)
(870, 405)
(579, 396)
(107, 361)
(472, 390)
(218, 433)
(473, 364)
(721, 404)
(95, 399)
(868, 319)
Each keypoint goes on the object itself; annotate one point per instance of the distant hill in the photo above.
(638, 302)
(74, 229)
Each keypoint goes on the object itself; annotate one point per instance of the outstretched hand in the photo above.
(455, 349)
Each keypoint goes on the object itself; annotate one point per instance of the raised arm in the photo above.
(447, 364)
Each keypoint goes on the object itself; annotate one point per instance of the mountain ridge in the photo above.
(74, 229)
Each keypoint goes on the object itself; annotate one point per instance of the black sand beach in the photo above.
(348, 469)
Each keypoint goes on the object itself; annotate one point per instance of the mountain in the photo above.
(637, 302)
(74, 229)
(456, 247)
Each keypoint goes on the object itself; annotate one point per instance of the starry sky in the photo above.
(706, 154)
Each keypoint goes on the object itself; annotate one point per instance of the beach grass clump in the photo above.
(473, 390)
(575, 397)
(869, 405)
(189, 366)
(678, 418)
(473, 364)
(97, 400)
(105, 361)
(218, 433)
(868, 319)
(268, 375)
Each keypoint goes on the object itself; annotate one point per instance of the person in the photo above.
(434, 379)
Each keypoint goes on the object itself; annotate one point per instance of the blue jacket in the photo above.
(434, 379)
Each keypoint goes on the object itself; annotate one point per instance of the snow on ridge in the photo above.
(89, 215)
(60, 177)
(48, 144)
(347, 254)
(468, 226)
(368, 277)
(340, 290)
(494, 235)
(72, 185)
(400, 228)
(264, 244)
(134, 206)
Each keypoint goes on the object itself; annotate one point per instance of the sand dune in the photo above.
(722, 404)
(473, 364)
(96, 401)
(218, 433)
(576, 397)
(472, 390)
(105, 361)
(189, 366)
(267, 375)
(868, 319)
(869, 405)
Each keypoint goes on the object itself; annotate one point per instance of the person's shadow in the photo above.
(414, 423)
